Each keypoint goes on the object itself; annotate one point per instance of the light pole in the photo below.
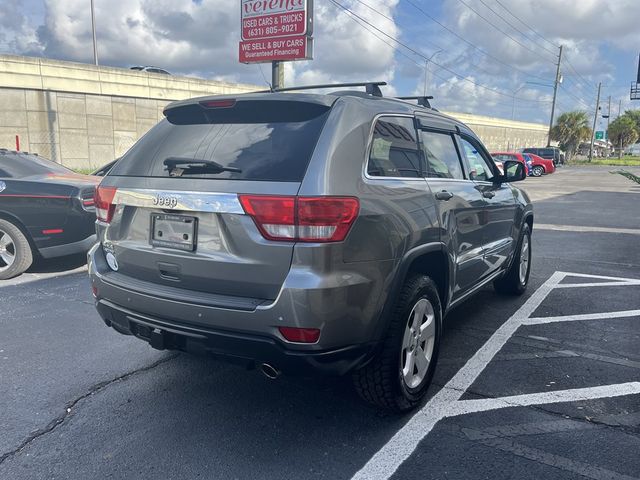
(93, 31)
(426, 69)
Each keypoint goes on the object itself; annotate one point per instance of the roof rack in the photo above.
(422, 100)
(372, 88)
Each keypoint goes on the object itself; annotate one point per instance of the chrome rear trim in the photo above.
(179, 200)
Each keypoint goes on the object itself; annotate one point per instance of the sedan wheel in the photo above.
(537, 171)
(15, 251)
(7, 251)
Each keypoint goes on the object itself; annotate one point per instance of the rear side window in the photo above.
(251, 140)
(19, 165)
(547, 153)
(394, 149)
(441, 155)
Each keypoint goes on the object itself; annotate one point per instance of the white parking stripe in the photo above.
(584, 316)
(543, 398)
(446, 402)
(581, 229)
(597, 284)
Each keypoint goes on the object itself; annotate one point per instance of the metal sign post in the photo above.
(276, 31)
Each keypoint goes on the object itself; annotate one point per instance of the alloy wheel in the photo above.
(7, 251)
(525, 257)
(418, 342)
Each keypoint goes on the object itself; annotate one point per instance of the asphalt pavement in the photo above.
(542, 386)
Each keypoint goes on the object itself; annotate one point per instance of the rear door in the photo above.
(459, 203)
(500, 210)
(177, 220)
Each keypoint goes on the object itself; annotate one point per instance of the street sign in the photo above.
(276, 30)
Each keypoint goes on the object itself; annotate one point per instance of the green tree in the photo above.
(623, 131)
(571, 129)
(635, 116)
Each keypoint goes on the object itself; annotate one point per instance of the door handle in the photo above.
(444, 195)
(488, 194)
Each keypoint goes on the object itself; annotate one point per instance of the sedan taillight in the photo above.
(301, 219)
(104, 203)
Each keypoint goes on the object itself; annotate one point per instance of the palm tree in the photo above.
(623, 131)
(571, 129)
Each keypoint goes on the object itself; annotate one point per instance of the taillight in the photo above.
(104, 203)
(302, 219)
(300, 335)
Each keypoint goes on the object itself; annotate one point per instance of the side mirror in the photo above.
(514, 171)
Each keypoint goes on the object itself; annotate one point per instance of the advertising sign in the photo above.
(274, 30)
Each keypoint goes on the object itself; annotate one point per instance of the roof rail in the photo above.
(422, 100)
(372, 88)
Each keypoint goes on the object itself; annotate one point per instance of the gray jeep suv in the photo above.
(305, 233)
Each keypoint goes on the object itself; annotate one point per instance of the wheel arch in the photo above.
(4, 215)
(429, 259)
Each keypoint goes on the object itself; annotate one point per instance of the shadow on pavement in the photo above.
(55, 265)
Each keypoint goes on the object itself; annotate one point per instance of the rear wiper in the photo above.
(177, 166)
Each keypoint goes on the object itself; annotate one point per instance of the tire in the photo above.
(391, 380)
(537, 171)
(15, 251)
(514, 281)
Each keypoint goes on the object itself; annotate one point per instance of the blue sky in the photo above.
(497, 48)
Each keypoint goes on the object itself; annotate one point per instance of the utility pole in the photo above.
(606, 136)
(277, 75)
(595, 119)
(555, 94)
(619, 108)
(93, 31)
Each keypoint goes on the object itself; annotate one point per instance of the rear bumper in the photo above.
(343, 306)
(240, 348)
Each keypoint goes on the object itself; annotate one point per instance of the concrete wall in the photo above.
(85, 116)
(82, 115)
(499, 134)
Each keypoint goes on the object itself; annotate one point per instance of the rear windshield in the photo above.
(20, 165)
(259, 140)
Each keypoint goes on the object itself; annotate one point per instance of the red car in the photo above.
(540, 165)
(536, 166)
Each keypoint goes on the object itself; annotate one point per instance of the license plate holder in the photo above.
(174, 231)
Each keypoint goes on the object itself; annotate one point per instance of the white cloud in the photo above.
(201, 38)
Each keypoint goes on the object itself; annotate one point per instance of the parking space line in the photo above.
(597, 284)
(446, 402)
(464, 407)
(599, 277)
(581, 317)
(583, 229)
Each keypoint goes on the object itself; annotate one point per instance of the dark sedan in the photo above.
(46, 210)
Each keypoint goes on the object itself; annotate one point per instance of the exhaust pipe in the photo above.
(269, 371)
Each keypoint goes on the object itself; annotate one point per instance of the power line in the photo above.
(526, 25)
(415, 52)
(355, 18)
(585, 104)
(516, 28)
(376, 11)
(471, 44)
(502, 31)
(570, 65)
